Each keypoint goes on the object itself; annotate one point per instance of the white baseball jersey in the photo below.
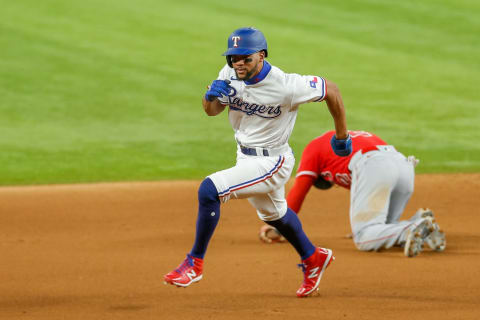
(263, 110)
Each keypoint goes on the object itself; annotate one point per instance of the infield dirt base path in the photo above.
(100, 252)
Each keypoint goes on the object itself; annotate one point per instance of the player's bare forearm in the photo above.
(212, 108)
(337, 110)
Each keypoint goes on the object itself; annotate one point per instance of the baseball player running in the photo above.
(263, 102)
(380, 180)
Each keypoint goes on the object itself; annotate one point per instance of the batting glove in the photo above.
(217, 89)
(341, 147)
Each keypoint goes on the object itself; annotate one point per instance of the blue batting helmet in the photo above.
(245, 41)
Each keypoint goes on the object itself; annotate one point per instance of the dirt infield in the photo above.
(100, 251)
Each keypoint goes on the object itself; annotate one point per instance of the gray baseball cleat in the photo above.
(422, 213)
(417, 235)
(436, 240)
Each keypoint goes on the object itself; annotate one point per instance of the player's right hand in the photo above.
(217, 89)
(269, 234)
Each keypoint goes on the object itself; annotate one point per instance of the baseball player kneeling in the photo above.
(381, 182)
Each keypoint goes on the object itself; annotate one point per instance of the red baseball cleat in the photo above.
(188, 272)
(313, 268)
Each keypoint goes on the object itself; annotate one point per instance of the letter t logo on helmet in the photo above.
(245, 41)
(235, 41)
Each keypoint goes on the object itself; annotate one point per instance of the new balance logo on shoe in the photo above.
(314, 272)
(192, 274)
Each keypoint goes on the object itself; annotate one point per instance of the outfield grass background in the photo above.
(110, 90)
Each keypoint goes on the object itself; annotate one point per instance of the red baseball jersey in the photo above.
(318, 157)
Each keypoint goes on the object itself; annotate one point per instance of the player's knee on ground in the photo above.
(361, 243)
(207, 193)
(362, 247)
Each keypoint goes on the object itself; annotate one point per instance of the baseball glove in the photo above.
(269, 234)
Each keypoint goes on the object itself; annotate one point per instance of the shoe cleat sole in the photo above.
(417, 237)
(437, 241)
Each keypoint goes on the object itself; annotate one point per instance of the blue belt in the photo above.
(253, 151)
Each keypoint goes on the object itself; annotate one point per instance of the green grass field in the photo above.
(110, 90)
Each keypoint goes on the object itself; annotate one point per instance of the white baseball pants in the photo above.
(261, 179)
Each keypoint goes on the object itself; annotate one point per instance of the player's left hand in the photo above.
(269, 234)
(341, 147)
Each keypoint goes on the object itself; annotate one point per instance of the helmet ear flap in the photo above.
(229, 61)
